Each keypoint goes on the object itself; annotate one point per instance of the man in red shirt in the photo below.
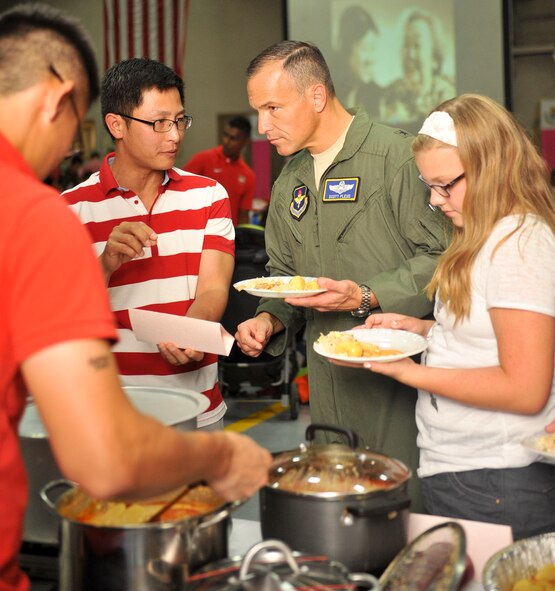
(225, 165)
(55, 320)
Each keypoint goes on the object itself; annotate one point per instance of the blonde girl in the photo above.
(486, 380)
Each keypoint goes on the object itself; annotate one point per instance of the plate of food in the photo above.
(543, 444)
(370, 344)
(280, 287)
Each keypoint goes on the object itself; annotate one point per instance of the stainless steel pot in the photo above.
(272, 566)
(348, 503)
(146, 557)
(176, 408)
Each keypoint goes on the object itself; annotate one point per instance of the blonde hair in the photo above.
(504, 175)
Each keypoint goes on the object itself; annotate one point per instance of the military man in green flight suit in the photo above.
(348, 208)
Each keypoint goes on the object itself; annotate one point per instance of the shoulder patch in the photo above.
(299, 202)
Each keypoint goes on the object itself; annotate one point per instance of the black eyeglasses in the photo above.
(77, 146)
(443, 190)
(164, 125)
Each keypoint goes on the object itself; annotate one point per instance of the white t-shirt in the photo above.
(323, 160)
(454, 436)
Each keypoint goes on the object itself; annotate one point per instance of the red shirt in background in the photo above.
(236, 177)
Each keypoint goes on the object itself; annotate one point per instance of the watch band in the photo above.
(364, 309)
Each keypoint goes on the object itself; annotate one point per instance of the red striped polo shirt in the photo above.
(190, 214)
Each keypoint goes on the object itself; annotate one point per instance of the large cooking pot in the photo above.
(145, 557)
(346, 502)
(272, 566)
(176, 408)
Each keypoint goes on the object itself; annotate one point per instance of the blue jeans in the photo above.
(523, 498)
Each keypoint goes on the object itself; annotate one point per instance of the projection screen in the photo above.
(400, 58)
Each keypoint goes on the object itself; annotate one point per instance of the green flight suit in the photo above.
(386, 238)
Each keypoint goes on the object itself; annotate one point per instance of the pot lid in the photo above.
(335, 469)
(272, 566)
(434, 561)
(170, 407)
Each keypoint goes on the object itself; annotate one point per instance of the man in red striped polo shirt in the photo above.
(164, 237)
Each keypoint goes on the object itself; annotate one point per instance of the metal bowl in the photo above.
(520, 560)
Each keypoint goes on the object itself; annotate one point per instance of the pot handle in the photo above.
(265, 546)
(351, 436)
(365, 581)
(221, 514)
(351, 512)
(45, 490)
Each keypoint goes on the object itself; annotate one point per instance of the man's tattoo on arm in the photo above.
(100, 362)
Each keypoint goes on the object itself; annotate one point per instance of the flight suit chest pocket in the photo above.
(343, 218)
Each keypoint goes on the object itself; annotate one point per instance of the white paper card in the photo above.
(200, 335)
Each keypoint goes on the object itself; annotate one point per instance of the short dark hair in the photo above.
(125, 83)
(355, 23)
(241, 123)
(34, 36)
(303, 60)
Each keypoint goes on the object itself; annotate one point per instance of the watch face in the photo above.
(358, 313)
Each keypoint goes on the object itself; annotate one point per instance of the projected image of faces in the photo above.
(358, 52)
(396, 62)
(423, 84)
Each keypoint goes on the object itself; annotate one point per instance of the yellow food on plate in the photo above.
(340, 343)
(543, 580)
(547, 442)
(296, 283)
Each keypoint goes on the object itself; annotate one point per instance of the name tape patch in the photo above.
(345, 189)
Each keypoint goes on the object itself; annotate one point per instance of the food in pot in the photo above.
(296, 283)
(341, 343)
(547, 442)
(78, 506)
(543, 580)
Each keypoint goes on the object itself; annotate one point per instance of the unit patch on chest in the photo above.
(345, 189)
(299, 202)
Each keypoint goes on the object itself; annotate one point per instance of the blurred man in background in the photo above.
(225, 164)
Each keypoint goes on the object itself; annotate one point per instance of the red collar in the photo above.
(11, 156)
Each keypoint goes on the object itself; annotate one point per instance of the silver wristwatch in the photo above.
(364, 309)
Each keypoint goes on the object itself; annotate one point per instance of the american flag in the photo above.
(145, 28)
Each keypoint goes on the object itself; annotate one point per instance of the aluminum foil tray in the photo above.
(520, 560)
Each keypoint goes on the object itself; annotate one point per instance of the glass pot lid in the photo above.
(335, 469)
(272, 566)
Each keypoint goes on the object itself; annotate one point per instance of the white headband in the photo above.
(440, 126)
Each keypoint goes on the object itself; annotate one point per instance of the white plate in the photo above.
(270, 293)
(531, 443)
(408, 343)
